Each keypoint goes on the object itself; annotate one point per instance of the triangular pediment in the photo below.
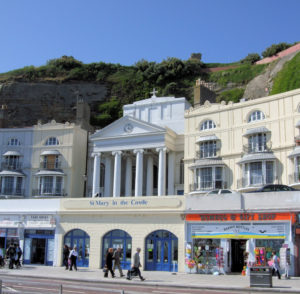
(127, 126)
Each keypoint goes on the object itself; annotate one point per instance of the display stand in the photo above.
(260, 256)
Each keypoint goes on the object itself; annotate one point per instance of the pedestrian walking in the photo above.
(118, 257)
(136, 265)
(66, 253)
(18, 256)
(275, 265)
(11, 254)
(73, 256)
(108, 263)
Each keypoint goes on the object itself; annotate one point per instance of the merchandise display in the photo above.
(260, 256)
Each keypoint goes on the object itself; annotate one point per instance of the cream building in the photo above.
(58, 166)
(243, 146)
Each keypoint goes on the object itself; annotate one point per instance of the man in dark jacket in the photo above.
(108, 263)
(66, 253)
(11, 254)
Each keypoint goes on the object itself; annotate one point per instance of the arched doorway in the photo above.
(115, 239)
(161, 251)
(82, 241)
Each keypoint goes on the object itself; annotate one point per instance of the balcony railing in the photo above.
(257, 148)
(11, 192)
(208, 186)
(254, 181)
(50, 165)
(11, 166)
(212, 154)
(39, 193)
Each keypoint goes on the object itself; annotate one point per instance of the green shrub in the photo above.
(231, 95)
(275, 48)
(251, 58)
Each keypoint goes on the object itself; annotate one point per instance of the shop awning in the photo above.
(207, 138)
(257, 157)
(49, 173)
(258, 130)
(207, 162)
(12, 153)
(50, 152)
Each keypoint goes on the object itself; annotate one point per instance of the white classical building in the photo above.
(141, 153)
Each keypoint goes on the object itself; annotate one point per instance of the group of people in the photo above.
(70, 257)
(116, 256)
(13, 253)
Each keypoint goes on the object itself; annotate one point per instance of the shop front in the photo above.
(223, 243)
(9, 231)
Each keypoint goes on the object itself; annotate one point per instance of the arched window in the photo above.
(52, 141)
(207, 125)
(256, 116)
(13, 142)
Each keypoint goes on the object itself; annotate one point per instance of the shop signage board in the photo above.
(232, 217)
(38, 221)
(239, 231)
(9, 221)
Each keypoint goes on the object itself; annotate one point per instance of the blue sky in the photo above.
(126, 31)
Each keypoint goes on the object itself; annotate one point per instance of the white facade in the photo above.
(141, 153)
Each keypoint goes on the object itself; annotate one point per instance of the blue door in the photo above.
(81, 240)
(118, 239)
(161, 251)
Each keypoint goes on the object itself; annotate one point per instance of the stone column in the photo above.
(295, 176)
(117, 174)
(149, 184)
(171, 173)
(264, 173)
(161, 171)
(139, 172)
(128, 179)
(96, 173)
(107, 178)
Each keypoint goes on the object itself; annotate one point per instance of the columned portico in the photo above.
(128, 179)
(117, 174)
(139, 173)
(171, 169)
(96, 174)
(149, 184)
(161, 171)
(107, 180)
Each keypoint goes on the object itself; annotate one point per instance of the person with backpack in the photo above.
(18, 256)
(11, 254)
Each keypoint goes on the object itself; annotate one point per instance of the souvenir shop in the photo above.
(224, 243)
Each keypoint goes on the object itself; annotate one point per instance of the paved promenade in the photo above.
(229, 282)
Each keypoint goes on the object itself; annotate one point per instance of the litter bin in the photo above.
(261, 276)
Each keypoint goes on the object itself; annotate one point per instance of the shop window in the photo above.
(269, 245)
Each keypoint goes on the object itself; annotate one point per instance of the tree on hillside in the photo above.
(251, 58)
(196, 56)
(275, 48)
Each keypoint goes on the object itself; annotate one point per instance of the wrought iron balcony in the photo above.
(255, 181)
(210, 154)
(52, 193)
(257, 148)
(11, 192)
(11, 166)
(50, 165)
(208, 186)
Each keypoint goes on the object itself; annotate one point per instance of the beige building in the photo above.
(58, 160)
(243, 146)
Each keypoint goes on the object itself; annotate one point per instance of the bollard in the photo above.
(0, 286)
(60, 289)
(122, 292)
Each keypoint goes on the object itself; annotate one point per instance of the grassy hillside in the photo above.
(289, 77)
